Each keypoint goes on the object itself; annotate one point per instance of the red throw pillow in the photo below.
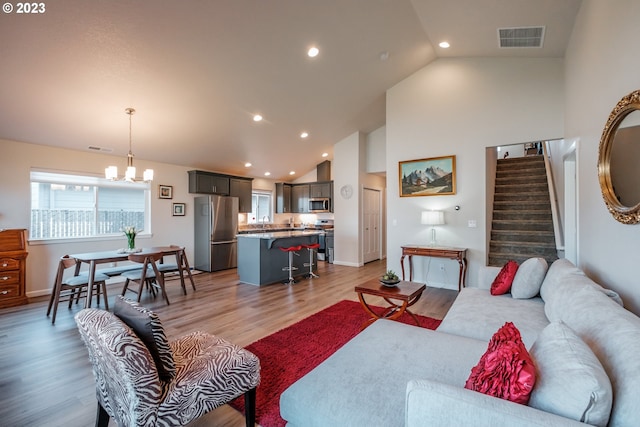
(502, 283)
(506, 370)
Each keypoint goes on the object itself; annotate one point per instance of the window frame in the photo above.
(258, 193)
(77, 178)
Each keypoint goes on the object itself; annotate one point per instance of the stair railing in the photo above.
(557, 227)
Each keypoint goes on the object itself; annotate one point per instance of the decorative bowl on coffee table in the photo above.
(390, 283)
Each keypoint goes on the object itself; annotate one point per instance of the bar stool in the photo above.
(291, 250)
(311, 248)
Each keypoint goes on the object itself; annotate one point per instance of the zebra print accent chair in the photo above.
(209, 372)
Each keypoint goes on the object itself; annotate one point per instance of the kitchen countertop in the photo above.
(281, 234)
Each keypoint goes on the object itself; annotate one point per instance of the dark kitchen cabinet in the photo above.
(208, 183)
(300, 198)
(283, 198)
(241, 188)
(320, 189)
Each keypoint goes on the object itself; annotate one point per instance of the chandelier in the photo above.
(111, 173)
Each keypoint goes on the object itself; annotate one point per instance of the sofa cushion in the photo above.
(478, 314)
(502, 283)
(570, 380)
(147, 326)
(528, 279)
(505, 370)
(364, 382)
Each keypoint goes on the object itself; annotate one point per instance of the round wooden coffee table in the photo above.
(404, 293)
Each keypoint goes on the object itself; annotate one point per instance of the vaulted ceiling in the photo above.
(197, 71)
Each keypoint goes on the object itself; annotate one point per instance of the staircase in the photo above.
(522, 225)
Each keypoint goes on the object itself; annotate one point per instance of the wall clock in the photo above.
(346, 191)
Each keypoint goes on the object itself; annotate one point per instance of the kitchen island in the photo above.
(261, 262)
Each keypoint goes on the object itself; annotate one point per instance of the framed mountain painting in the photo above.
(435, 176)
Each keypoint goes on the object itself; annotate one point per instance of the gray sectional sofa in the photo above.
(585, 345)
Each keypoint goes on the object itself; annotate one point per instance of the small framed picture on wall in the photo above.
(165, 192)
(179, 209)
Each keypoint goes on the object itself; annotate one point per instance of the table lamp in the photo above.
(433, 218)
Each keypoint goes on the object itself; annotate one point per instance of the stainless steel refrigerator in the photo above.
(216, 226)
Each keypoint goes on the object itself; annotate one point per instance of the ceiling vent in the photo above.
(521, 37)
(103, 149)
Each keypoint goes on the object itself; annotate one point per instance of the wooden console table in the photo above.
(459, 254)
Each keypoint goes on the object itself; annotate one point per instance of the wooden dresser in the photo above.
(13, 263)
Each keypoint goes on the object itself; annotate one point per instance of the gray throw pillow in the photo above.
(529, 278)
(147, 326)
(570, 381)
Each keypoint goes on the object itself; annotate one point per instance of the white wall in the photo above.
(459, 107)
(17, 161)
(602, 64)
(347, 165)
(376, 150)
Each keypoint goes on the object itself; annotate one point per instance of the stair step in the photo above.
(500, 259)
(521, 225)
(523, 205)
(521, 160)
(522, 236)
(535, 168)
(523, 248)
(522, 180)
(536, 187)
(513, 215)
(536, 196)
(522, 170)
(521, 174)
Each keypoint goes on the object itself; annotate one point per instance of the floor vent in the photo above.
(521, 37)
(103, 149)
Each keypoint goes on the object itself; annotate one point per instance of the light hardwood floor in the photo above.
(45, 375)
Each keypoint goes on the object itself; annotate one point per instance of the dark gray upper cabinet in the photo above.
(320, 189)
(241, 188)
(300, 198)
(283, 198)
(203, 182)
(294, 198)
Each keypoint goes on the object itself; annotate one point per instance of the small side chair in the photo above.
(144, 380)
(74, 287)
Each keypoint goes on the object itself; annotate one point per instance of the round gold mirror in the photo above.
(619, 160)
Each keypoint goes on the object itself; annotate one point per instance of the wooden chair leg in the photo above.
(104, 294)
(102, 418)
(160, 281)
(187, 268)
(250, 407)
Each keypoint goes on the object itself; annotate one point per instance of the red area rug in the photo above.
(287, 355)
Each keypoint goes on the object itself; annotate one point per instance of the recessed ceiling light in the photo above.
(267, 173)
(292, 173)
(304, 134)
(257, 118)
(444, 45)
(247, 165)
(325, 154)
(313, 52)
(384, 56)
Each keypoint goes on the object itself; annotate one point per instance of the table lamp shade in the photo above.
(432, 217)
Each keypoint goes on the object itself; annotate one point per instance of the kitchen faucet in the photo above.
(264, 221)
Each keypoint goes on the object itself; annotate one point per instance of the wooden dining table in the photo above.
(104, 257)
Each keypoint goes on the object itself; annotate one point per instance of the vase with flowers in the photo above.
(130, 232)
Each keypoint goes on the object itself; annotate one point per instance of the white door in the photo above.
(371, 225)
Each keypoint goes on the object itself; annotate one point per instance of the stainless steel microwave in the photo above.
(320, 204)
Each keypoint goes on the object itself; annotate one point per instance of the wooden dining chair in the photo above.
(181, 266)
(147, 276)
(75, 287)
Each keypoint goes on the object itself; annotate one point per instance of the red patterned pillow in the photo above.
(506, 370)
(502, 283)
